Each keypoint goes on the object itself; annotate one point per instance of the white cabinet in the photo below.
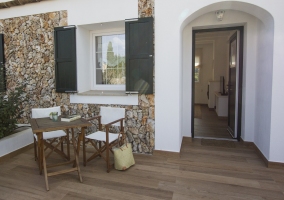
(221, 104)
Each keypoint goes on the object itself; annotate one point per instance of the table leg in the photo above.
(40, 151)
(45, 172)
(76, 153)
(84, 146)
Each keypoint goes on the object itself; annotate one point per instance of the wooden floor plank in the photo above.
(201, 172)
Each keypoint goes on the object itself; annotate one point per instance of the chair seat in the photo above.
(52, 134)
(101, 136)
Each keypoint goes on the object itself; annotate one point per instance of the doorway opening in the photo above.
(217, 68)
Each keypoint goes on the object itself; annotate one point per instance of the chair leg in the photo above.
(68, 144)
(100, 146)
(84, 152)
(35, 151)
(107, 157)
(62, 145)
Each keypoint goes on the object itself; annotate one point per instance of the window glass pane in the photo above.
(121, 76)
(112, 76)
(110, 58)
(120, 41)
(99, 61)
(99, 44)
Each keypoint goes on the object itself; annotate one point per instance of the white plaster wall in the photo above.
(221, 63)
(185, 12)
(205, 74)
(263, 88)
(16, 141)
(79, 12)
(84, 76)
(167, 93)
(277, 106)
(169, 24)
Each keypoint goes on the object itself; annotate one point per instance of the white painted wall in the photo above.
(221, 61)
(183, 15)
(79, 12)
(171, 68)
(16, 141)
(205, 73)
(84, 76)
(263, 88)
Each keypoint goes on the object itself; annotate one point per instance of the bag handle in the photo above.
(125, 142)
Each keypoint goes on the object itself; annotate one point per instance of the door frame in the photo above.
(240, 78)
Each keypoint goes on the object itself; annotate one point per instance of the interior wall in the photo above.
(205, 73)
(263, 87)
(221, 63)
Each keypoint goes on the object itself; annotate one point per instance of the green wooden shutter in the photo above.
(65, 59)
(139, 55)
(2, 65)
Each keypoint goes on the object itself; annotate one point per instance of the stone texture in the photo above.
(146, 8)
(30, 59)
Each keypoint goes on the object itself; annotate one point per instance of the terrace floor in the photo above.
(206, 169)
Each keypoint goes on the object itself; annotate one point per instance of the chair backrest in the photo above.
(44, 112)
(110, 114)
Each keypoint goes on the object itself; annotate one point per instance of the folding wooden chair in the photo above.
(103, 141)
(52, 139)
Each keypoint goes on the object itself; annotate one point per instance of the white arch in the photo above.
(252, 9)
(258, 62)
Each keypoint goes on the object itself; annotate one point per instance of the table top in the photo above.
(46, 124)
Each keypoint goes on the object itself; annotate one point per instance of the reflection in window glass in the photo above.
(110, 59)
(196, 76)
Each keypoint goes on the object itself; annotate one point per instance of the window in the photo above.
(108, 55)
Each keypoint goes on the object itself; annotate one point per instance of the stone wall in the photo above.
(29, 54)
(30, 59)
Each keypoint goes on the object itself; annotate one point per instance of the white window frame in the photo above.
(93, 35)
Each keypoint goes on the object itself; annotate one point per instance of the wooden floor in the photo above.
(210, 125)
(206, 169)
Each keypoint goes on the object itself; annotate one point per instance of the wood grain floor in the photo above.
(205, 169)
(210, 125)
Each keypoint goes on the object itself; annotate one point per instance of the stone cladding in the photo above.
(29, 53)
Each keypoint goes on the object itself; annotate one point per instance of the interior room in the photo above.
(211, 79)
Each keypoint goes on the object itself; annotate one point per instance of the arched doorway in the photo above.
(257, 76)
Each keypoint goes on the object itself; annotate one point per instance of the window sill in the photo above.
(103, 93)
(104, 97)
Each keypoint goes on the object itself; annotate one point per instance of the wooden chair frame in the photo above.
(103, 146)
(49, 145)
